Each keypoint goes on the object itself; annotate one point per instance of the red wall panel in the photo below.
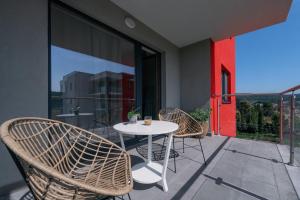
(223, 56)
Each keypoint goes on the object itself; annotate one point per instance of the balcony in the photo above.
(262, 162)
(237, 169)
(88, 64)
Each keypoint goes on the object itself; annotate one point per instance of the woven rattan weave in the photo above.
(188, 126)
(61, 161)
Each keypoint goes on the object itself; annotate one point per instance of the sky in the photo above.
(65, 61)
(268, 60)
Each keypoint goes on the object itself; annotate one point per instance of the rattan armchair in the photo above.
(188, 127)
(61, 161)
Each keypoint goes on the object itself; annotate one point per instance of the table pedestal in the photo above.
(151, 172)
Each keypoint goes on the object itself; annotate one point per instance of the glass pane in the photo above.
(225, 86)
(92, 74)
(149, 83)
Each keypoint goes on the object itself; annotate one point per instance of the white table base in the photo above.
(147, 173)
(151, 172)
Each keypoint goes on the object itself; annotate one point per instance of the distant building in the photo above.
(108, 95)
(74, 87)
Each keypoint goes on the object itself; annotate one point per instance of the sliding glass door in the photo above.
(150, 82)
(94, 73)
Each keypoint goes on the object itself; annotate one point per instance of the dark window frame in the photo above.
(225, 72)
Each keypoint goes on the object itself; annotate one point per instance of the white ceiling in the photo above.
(184, 22)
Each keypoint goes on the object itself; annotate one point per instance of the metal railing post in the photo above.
(292, 116)
(218, 102)
(281, 120)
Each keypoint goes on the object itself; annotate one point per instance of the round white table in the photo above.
(149, 172)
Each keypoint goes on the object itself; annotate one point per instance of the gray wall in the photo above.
(110, 14)
(24, 63)
(23, 68)
(195, 75)
(24, 60)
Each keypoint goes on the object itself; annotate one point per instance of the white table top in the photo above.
(156, 128)
(73, 115)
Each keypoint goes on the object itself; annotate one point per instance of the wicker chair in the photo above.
(61, 161)
(188, 127)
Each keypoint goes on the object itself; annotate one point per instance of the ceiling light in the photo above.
(130, 23)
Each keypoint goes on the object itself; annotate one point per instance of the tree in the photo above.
(244, 109)
(238, 120)
(275, 122)
(268, 109)
(260, 117)
(248, 117)
(253, 121)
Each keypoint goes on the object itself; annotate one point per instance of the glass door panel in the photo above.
(92, 73)
(150, 82)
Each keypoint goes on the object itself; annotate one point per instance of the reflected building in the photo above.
(75, 90)
(108, 95)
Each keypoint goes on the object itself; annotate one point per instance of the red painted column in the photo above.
(223, 58)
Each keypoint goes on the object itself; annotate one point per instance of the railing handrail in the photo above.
(290, 93)
(94, 98)
(292, 89)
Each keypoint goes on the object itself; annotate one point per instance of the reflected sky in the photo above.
(64, 61)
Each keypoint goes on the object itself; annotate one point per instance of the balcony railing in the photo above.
(96, 114)
(273, 117)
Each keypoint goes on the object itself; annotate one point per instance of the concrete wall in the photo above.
(24, 63)
(110, 14)
(195, 75)
(24, 60)
(23, 68)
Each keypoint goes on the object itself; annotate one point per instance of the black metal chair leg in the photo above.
(164, 141)
(174, 155)
(202, 151)
(129, 196)
(183, 144)
(163, 145)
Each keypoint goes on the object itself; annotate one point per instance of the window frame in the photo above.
(225, 100)
(138, 45)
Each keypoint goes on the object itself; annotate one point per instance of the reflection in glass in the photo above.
(92, 73)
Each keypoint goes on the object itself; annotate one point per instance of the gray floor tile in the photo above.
(242, 170)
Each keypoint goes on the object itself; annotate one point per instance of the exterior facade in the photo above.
(223, 108)
(139, 67)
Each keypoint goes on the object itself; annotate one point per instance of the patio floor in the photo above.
(237, 169)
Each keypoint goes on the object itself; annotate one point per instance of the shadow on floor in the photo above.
(256, 156)
(158, 152)
(180, 193)
(219, 181)
(27, 196)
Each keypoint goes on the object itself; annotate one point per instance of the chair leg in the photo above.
(202, 151)
(174, 155)
(129, 196)
(183, 144)
(164, 141)
(163, 145)
(94, 127)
